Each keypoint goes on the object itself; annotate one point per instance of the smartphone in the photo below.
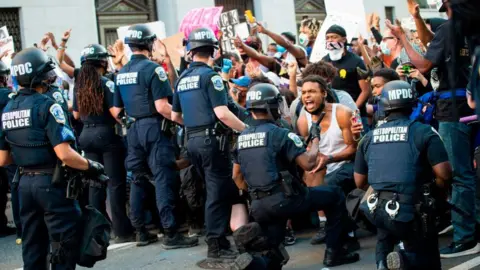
(356, 115)
(407, 67)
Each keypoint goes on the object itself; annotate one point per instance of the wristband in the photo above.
(330, 159)
(65, 39)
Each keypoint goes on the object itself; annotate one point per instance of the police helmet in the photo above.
(200, 38)
(31, 66)
(263, 96)
(397, 95)
(141, 36)
(4, 69)
(94, 52)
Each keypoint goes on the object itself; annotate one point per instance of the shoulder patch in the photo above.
(58, 97)
(162, 75)
(11, 95)
(294, 137)
(57, 113)
(111, 86)
(67, 134)
(217, 83)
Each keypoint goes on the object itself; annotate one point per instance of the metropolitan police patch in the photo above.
(295, 139)
(111, 86)
(58, 97)
(217, 83)
(11, 95)
(57, 113)
(162, 75)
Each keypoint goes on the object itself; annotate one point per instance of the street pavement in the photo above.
(302, 256)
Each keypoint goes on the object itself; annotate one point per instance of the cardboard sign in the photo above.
(228, 21)
(174, 46)
(201, 17)
(6, 44)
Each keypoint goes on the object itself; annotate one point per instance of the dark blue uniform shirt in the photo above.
(139, 84)
(108, 89)
(32, 124)
(263, 151)
(4, 97)
(198, 91)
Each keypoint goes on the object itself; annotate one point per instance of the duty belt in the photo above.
(257, 195)
(97, 125)
(393, 201)
(39, 171)
(202, 133)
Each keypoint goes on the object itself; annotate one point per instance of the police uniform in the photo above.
(99, 142)
(266, 154)
(400, 181)
(140, 83)
(198, 91)
(32, 124)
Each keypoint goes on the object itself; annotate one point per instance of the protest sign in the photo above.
(174, 44)
(227, 23)
(7, 45)
(346, 13)
(158, 28)
(4, 32)
(201, 17)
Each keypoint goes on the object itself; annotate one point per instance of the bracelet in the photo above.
(65, 39)
(359, 138)
(62, 48)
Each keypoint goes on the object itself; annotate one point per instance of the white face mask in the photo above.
(385, 49)
(303, 40)
(335, 50)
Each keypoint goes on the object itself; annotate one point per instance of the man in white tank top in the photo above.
(337, 147)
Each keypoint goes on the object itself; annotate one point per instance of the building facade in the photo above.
(96, 21)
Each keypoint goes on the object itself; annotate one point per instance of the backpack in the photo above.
(95, 238)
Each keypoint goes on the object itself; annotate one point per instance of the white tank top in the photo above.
(331, 142)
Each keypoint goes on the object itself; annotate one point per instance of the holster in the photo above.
(223, 135)
(59, 174)
(16, 178)
(167, 127)
(426, 213)
(291, 186)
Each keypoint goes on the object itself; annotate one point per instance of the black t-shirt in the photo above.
(439, 54)
(347, 77)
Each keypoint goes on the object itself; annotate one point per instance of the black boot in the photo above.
(173, 240)
(217, 251)
(339, 257)
(145, 238)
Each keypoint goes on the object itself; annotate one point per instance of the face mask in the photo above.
(303, 40)
(335, 50)
(271, 54)
(385, 49)
(280, 49)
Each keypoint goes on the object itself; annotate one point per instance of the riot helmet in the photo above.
(397, 95)
(264, 96)
(31, 66)
(94, 52)
(201, 38)
(140, 36)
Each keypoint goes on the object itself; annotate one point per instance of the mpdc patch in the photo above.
(67, 134)
(217, 83)
(57, 113)
(58, 97)
(111, 86)
(162, 75)
(11, 95)
(294, 137)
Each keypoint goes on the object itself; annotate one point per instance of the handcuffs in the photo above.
(372, 202)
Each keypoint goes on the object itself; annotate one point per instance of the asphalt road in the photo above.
(302, 256)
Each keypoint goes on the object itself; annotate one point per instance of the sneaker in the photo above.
(319, 238)
(290, 238)
(178, 241)
(395, 261)
(145, 238)
(457, 250)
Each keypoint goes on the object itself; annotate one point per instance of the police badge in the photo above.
(217, 83)
(111, 86)
(57, 113)
(58, 97)
(295, 139)
(162, 75)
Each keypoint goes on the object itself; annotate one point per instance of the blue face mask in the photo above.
(280, 49)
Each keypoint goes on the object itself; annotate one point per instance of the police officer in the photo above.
(92, 102)
(143, 89)
(265, 158)
(401, 206)
(201, 97)
(34, 136)
(4, 176)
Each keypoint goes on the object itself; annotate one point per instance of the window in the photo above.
(390, 13)
(10, 17)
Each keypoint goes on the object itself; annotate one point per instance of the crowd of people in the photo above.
(373, 135)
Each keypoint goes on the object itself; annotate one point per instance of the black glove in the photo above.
(315, 131)
(95, 168)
